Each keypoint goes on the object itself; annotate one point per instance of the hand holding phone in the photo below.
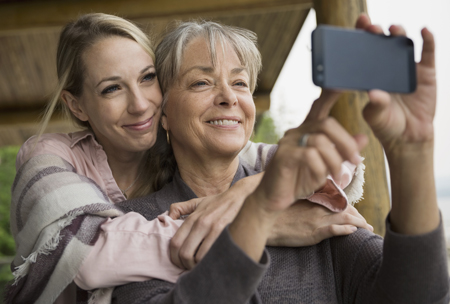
(359, 60)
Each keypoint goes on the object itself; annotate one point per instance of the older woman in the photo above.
(63, 215)
(209, 74)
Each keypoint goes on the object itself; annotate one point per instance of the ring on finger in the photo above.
(303, 141)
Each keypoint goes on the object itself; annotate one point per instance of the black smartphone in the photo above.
(358, 60)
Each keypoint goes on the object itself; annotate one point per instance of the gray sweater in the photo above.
(359, 268)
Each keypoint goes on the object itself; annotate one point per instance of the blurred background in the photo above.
(29, 33)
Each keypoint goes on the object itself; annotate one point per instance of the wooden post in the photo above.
(348, 111)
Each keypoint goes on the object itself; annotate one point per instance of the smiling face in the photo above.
(121, 97)
(210, 110)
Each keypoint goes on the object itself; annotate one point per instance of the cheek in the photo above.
(249, 109)
(154, 95)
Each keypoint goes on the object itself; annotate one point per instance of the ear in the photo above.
(74, 105)
(165, 122)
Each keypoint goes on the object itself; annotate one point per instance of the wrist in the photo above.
(251, 227)
(409, 152)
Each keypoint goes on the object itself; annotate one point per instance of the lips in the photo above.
(139, 126)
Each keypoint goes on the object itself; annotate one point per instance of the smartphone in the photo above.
(358, 60)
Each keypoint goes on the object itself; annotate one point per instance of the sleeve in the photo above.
(130, 249)
(225, 275)
(402, 269)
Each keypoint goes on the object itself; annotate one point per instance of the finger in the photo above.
(363, 21)
(178, 240)
(199, 232)
(352, 210)
(322, 106)
(344, 143)
(336, 230)
(344, 218)
(327, 232)
(206, 245)
(376, 108)
(312, 174)
(183, 208)
(361, 140)
(328, 152)
(397, 30)
(428, 48)
(375, 29)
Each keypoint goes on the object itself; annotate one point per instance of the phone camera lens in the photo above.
(319, 68)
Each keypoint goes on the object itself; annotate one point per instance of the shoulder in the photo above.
(59, 144)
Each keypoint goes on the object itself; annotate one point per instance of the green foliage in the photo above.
(265, 131)
(7, 174)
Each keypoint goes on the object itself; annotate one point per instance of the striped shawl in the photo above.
(55, 217)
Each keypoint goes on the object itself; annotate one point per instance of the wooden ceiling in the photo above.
(29, 33)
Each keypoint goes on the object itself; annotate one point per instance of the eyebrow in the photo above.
(114, 78)
(237, 70)
(210, 70)
(206, 69)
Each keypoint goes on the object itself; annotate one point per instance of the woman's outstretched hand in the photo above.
(404, 125)
(402, 119)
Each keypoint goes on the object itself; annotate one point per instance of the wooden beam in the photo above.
(348, 111)
(262, 102)
(17, 126)
(23, 15)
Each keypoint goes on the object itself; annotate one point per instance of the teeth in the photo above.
(224, 122)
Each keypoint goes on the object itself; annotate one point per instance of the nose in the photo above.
(137, 102)
(226, 96)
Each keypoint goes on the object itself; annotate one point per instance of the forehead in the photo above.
(115, 55)
(198, 53)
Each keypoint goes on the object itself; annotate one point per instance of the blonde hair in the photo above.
(75, 38)
(169, 55)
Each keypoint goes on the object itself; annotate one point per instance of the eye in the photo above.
(199, 84)
(241, 84)
(110, 89)
(149, 77)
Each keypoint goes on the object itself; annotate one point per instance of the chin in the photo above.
(230, 148)
(141, 145)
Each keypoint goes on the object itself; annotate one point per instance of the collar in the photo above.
(76, 137)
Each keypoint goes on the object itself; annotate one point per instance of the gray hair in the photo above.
(169, 52)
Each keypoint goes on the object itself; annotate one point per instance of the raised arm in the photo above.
(411, 265)
(404, 125)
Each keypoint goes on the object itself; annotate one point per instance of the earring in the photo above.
(168, 137)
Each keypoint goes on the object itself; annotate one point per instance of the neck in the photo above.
(209, 176)
(125, 167)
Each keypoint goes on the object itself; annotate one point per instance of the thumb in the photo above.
(378, 104)
(183, 208)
